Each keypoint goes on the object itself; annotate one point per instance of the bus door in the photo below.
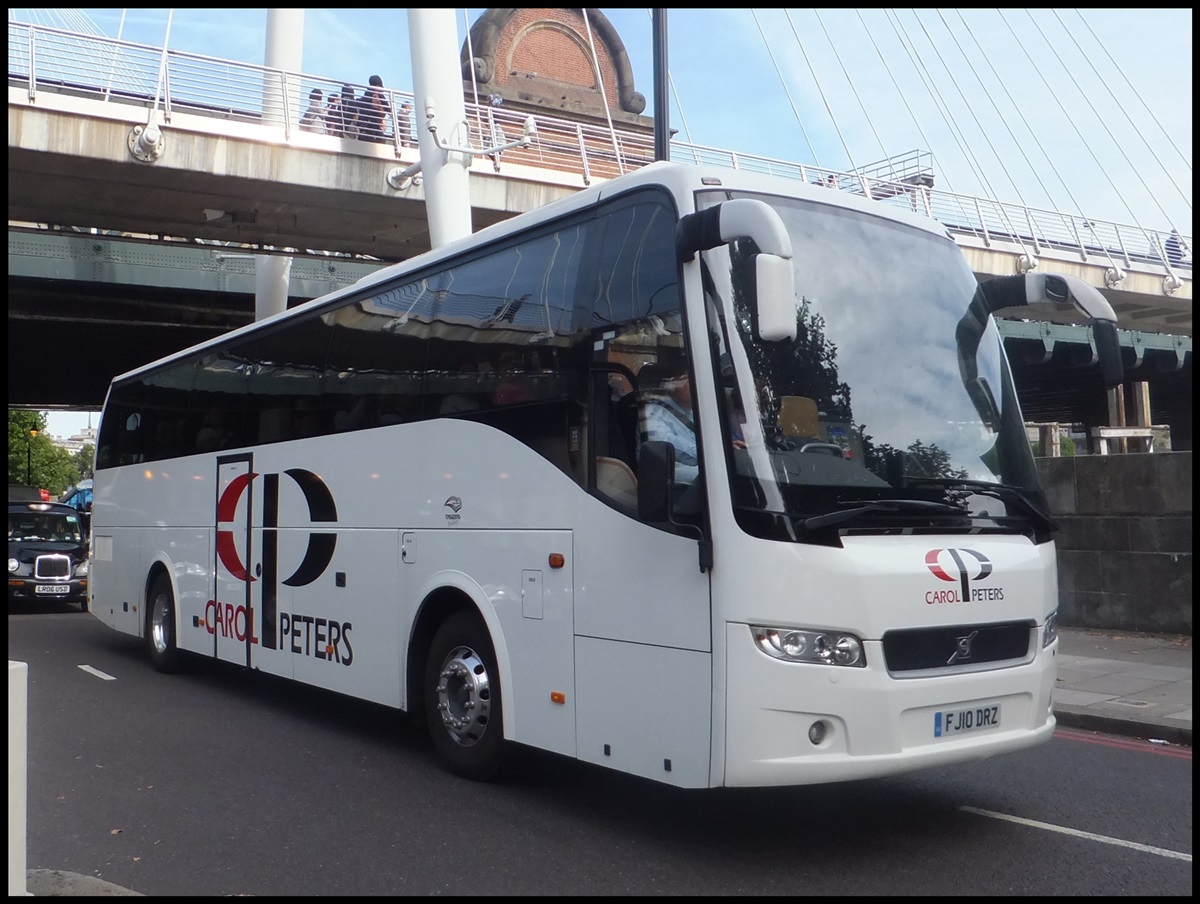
(230, 616)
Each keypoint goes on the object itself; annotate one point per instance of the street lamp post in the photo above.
(29, 457)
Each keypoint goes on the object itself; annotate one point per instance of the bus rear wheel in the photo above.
(160, 626)
(462, 699)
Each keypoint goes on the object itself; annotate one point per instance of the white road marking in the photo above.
(98, 673)
(1104, 839)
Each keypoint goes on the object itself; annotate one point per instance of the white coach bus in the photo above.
(442, 489)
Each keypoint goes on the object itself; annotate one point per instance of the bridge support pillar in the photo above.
(272, 276)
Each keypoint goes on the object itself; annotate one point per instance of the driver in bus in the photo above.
(665, 414)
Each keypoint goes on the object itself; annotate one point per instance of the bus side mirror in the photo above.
(772, 292)
(1061, 294)
(775, 298)
(656, 472)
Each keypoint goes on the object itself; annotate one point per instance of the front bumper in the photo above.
(874, 724)
(35, 590)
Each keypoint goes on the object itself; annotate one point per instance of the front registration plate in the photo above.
(959, 721)
(52, 588)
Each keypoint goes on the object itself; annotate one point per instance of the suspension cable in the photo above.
(1017, 107)
(471, 60)
(903, 99)
(821, 91)
(1186, 199)
(969, 154)
(1087, 144)
(1157, 119)
(603, 93)
(970, 108)
(1032, 132)
(992, 100)
(850, 82)
(782, 81)
(939, 103)
(162, 70)
(474, 83)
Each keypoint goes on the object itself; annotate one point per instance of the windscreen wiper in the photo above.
(1005, 492)
(882, 505)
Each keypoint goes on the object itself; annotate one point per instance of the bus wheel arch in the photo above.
(161, 632)
(435, 609)
(460, 688)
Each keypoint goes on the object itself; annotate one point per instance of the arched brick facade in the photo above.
(541, 59)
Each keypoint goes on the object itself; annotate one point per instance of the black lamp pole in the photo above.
(29, 458)
(662, 108)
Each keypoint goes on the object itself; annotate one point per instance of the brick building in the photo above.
(559, 62)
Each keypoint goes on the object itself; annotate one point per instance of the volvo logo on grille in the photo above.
(963, 648)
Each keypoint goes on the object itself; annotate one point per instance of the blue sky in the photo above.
(1084, 111)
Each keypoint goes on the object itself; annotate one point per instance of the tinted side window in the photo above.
(121, 440)
(284, 369)
(510, 338)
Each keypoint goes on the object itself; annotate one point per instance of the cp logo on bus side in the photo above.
(321, 508)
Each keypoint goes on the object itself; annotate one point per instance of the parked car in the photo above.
(47, 553)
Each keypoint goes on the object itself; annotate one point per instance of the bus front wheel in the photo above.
(160, 626)
(462, 698)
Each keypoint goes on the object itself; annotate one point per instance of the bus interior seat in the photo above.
(615, 480)
(798, 416)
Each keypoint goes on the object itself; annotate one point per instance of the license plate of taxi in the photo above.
(52, 588)
(961, 721)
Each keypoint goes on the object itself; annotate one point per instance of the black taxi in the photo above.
(47, 553)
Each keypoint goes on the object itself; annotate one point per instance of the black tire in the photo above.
(160, 626)
(462, 699)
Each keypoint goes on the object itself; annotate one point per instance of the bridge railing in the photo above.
(44, 59)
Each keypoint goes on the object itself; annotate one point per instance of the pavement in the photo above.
(1114, 682)
(1125, 683)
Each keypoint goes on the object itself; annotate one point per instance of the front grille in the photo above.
(956, 647)
(52, 567)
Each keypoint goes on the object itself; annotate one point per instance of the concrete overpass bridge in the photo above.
(136, 215)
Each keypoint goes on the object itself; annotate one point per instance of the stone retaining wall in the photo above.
(1125, 540)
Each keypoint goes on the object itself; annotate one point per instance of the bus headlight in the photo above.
(810, 645)
(1050, 629)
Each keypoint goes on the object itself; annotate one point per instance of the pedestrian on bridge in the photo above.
(341, 118)
(1174, 249)
(313, 119)
(374, 111)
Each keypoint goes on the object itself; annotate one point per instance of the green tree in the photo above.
(1066, 446)
(806, 367)
(918, 460)
(33, 459)
(85, 461)
(25, 428)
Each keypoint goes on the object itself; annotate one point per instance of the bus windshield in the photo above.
(892, 391)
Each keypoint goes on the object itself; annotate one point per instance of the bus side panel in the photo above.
(116, 581)
(645, 710)
(192, 557)
(342, 630)
(531, 617)
(639, 583)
